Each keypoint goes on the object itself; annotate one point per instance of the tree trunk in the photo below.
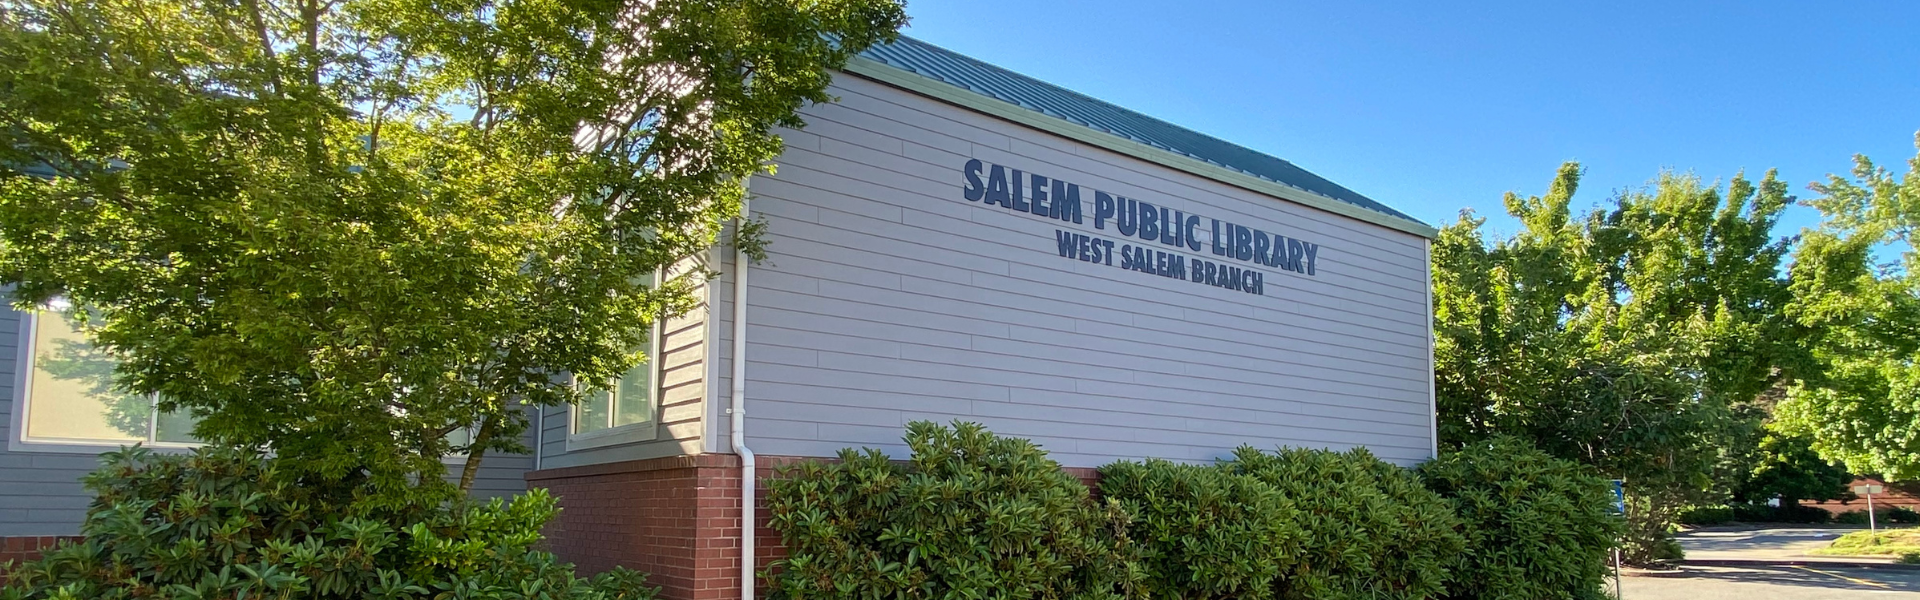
(476, 452)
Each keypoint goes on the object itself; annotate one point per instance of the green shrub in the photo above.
(1371, 530)
(225, 524)
(1538, 527)
(1203, 532)
(971, 516)
(1753, 513)
(1706, 515)
(1897, 515)
(1792, 513)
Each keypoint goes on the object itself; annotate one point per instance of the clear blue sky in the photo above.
(1435, 106)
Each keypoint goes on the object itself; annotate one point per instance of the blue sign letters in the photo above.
(1168, 235)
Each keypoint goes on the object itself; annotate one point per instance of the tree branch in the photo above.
(266, 45)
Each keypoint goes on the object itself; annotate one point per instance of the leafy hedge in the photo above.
(1371, 529)
(1792, 513)
(225, 524)
(1537, 527)
(1753, 513)
(971, 516)
(1706, 515)
(1898, 515)
(1204, 532)
(977, 516)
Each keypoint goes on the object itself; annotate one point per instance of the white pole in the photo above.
(1872, 524)
(1618, 591)
(737, 430)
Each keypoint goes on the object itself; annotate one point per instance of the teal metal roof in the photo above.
(36, 170)
(934, 62)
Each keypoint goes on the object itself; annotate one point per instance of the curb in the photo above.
(1632, 572)
(1789, 562)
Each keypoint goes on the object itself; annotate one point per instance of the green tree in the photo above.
(1790, 470)
(342, 229)
(1855, 284)
(1631, 338)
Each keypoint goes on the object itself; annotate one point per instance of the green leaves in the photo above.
(1205, 532)
(340, 230)
(1643, 337)
(223, 524)
(1369, 528)
(972, 515)
(1537, 527)
(1856, 284)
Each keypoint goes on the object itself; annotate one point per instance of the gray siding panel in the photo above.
(848, 218)
(501, 475)
(889, 298)
(40, 492)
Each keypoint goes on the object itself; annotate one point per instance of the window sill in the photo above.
(625, 434)
(55, 446)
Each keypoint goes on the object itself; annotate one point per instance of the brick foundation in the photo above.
(676, 519)
(18, 549)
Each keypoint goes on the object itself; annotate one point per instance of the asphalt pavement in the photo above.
(1775, 583)
(1772, 563)
(1767, 544)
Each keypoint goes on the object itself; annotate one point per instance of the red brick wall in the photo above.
(676, 519)
(24, 548)
(1905, 495)
(1088, 476)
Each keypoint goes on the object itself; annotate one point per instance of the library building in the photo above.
(947, 240)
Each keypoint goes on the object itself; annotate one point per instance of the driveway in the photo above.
(1775, 583)
(1749, 543)
(1771, 563)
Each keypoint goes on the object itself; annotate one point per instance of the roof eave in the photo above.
(994, 107)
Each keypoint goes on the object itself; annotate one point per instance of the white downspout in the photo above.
(737, 433)
(1433, 387)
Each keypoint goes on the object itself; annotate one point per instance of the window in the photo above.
(68, 397)
(629, 401)
(625, 411)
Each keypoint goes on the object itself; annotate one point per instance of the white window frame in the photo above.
(473, 431)
(17, 440)
(644, 431)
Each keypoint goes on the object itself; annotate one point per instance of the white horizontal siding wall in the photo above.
(888, 298)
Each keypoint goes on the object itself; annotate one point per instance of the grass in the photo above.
(1904, 543)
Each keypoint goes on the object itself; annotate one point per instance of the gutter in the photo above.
(737, 434)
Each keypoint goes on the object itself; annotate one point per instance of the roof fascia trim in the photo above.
(994, 107)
